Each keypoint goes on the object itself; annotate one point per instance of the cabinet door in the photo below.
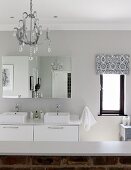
(16, 133)
(55, 133)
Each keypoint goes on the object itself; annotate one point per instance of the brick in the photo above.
(14, 168)
(91, 168)
(76, 160)
(5, 168)
(46, 160)
(22, 169)
(14, 160)
(118, 168)
(38, 168)
(107, 160)
(59, 168)
(125, 160)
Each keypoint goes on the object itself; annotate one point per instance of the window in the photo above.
(112, 94)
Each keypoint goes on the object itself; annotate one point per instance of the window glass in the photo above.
(111, 92)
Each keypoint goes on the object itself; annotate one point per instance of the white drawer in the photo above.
(56, 133)
(16, 133)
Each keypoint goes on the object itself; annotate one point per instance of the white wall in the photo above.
(82, 46)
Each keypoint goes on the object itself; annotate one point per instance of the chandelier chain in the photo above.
(31, 6)
(30, 21)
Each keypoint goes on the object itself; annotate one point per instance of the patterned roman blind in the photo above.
(112, 64)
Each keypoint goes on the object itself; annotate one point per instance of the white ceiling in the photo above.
(72, 14)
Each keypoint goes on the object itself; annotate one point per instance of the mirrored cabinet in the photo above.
(41, 77)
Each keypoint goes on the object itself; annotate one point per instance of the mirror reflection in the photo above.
(42, 77)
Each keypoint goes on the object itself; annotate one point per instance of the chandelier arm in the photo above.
(37, 38)
(26, 42)
(25, 13)
(30, 30)
(18, 37)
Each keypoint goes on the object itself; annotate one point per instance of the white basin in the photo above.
(60, 118)
(13, 117)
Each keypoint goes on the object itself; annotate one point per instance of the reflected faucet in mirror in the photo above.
(17, 108)
(35, 90)
(57, 108)
(37, 86)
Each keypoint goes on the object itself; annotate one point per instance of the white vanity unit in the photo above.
(37, 130)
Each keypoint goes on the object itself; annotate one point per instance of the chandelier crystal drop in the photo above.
(49, 40)
(28, 31)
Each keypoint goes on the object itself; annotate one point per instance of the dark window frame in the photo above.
(112, 112)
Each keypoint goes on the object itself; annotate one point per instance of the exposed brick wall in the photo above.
(65, 163)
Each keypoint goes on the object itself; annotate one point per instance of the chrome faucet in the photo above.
(57, 108)
(17, 108)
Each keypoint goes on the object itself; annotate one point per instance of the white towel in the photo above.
(87, 119)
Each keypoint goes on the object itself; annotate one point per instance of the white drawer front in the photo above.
(16, 133)
(56, 133)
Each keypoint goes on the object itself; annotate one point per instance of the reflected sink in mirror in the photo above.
(13, 117)
(57, 118)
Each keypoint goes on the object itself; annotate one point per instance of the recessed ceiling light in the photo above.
(55, 16)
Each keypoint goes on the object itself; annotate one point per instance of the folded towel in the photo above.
(87, 119)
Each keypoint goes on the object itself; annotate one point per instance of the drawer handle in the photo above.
(10, 127)
(55, 127)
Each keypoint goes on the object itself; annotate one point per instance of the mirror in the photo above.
(42, 77)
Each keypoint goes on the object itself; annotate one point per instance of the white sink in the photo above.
(13, 117)
(60, 118)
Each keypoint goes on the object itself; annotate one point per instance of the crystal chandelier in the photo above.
(28, 32)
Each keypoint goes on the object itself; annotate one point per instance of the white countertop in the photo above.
(110, 148)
